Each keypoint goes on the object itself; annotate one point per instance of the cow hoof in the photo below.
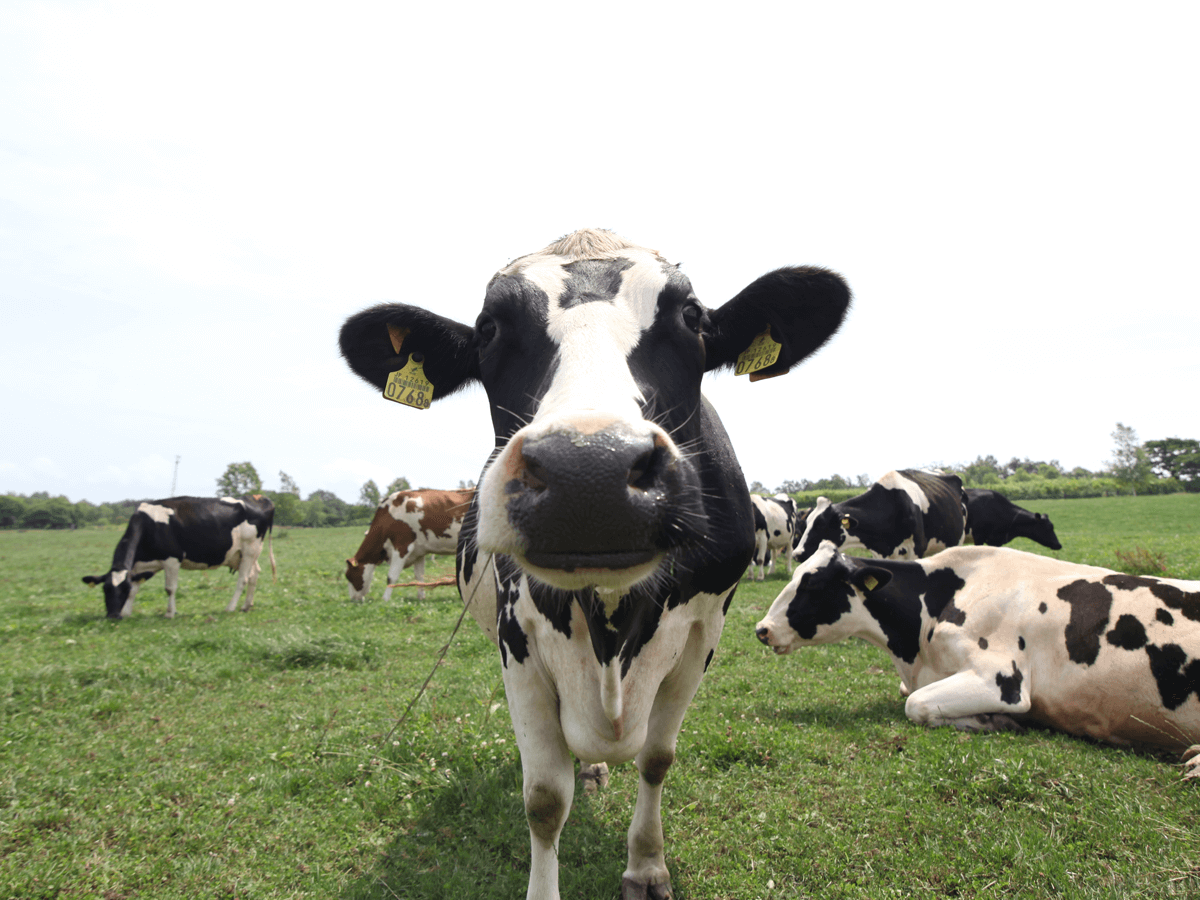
(641, 890)
(1191, 761)
(593, 777)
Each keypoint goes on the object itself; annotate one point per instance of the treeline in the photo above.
(1167, 466)
(322, 509)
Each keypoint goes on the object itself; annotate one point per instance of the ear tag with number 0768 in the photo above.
(762, 352)
(409, 385)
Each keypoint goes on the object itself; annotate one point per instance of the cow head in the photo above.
(358, 577)
(1042, 531)
(118, 588)
(591, 352)
(822, 603)
(822, 523)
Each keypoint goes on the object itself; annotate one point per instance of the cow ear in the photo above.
(381, 340)
(870, 578)
(91, 580)
(803, 306)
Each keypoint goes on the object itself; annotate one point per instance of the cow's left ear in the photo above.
(383, 339)
(803, 306)
(870, 578)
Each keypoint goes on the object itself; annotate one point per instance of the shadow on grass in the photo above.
(471, 840)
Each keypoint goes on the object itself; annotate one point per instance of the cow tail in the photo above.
(271, 548)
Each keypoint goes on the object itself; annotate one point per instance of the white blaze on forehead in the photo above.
(896, 482)
(118, 577)
(157, 513)
(596, 338)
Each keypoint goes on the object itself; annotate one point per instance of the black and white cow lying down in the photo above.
(774, 524)
(612, 522)
(986, 638)
(188, 533)
(993, 519)
(905, 514)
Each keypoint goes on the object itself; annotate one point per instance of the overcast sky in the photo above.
(194, 196)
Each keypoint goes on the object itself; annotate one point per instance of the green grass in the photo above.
(227, 755)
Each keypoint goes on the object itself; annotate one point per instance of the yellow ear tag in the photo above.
(762, 352)
(845, 521)
(871, 582)
(409, 385)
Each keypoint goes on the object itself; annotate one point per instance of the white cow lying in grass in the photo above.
(986, 637)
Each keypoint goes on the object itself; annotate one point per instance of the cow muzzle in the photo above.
(590, 503)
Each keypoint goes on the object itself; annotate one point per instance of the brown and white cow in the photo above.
(985, 638)
(612, 521)
(408, 525)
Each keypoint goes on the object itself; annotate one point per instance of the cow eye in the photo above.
(486, 330)
(693, 316)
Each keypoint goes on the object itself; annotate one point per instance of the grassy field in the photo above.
(252, 756)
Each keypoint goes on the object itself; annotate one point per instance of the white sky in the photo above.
(193, 197)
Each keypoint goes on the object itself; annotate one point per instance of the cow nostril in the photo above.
(647, 469)
(534, 475)
(763, 633)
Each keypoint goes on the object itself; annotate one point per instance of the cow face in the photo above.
(821, 603)
(592, 352)
(119, 587)
(822, 523)
(358, 578)
(1042, 531)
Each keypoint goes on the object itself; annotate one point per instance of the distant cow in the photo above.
(774, 522)
(905, 514)
(612, 522)
(407, 526)
(188, 533)
(986, 638)
(993, 519)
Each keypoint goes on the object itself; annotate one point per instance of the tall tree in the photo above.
(1174, 457)
(398, 484)
(239, 478)
(369, 495)
(1130, 465)
(287, 484)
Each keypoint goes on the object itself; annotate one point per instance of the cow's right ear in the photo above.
(801, 305)
(92, 580)
(381, 340)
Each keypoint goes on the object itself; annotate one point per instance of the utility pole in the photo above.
(175, 477)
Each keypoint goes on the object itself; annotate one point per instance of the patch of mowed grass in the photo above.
(219, 755)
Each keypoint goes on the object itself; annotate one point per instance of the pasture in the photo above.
(252, 756)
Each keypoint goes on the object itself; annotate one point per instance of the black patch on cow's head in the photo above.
(1129, 633)
(983, 643)
(1165, 617)
(1010, 685)
(822, 597)
(589, 280)
(1177, 679)
(825, 525)
(1091, 604)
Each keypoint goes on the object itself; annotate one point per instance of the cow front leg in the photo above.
(396, 563)
(980, 699)
(419, 575)
(548, 772)
(171, 582)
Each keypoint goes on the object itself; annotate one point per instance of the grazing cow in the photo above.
(407, 526)
(994, 520)
(986, 638)
(612, 522)
(188, 533)
(905, 514)
(774, 523)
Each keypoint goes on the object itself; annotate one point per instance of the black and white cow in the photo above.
(612, 522)
(188, 533)
(988, 638)
(904, 514)
(993, 519)
(774, 523)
